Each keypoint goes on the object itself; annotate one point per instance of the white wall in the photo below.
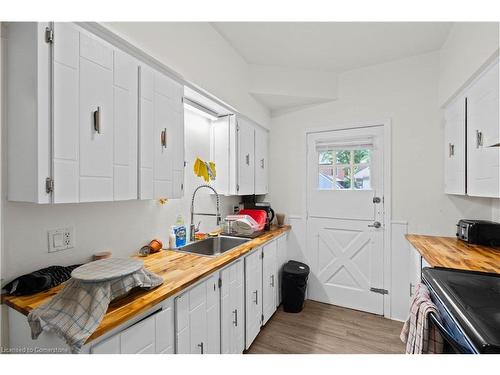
(122, 227)
(201, 55)
(469, 45)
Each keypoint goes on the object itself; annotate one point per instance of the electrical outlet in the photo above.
(61, 239)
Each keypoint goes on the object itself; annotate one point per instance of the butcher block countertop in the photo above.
(449, 252)
(179, 270)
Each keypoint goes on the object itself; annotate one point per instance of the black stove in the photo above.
(469, 305)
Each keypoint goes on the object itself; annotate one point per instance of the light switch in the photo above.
(58, 239)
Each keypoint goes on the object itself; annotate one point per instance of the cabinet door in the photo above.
(162, 145)
(165, 332)
(253, 296)
(96, 121)
(140, 338)
(269, 280)
(261, 160)
(281, 258)
(454, 167)
(232, 309)
(212, 344)
(246, 172)
(66, 63)
(483, 164)
(146, 132)
(198, 320)
(125, 92)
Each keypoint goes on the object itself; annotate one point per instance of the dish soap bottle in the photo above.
(180, 232)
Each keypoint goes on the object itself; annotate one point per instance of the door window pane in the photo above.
(325, 157)
(326, 178)
(343, 157)
(361, 177)
(343, 178)
(361, 156)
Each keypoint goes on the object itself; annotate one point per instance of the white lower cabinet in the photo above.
(232, 295)
(269, 280)
(197, 319)
(154, 334)
(253, 296)
(281, 259)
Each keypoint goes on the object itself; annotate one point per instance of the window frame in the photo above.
(351, 165)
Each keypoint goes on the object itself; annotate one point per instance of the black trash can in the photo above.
(294, 283)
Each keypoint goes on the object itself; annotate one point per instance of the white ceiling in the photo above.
(331, 46)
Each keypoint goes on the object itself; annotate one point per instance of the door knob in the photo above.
(376, 224)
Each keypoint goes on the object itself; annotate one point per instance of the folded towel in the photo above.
(77, 310)
(416, 333)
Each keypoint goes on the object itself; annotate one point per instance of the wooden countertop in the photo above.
(179, 270)
(449, 252)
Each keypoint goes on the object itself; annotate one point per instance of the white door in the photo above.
(165, 329)
(345, 227)
(269, 268)
(146, 133)
(454, 168)
(125, 90)
(66, 62)
(261, 160)
(253, 296)
(96, 120)
(198, 319)
(483, 131)
(246, 151)
(232, 309)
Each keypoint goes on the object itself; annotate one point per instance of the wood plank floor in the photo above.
(322, 328)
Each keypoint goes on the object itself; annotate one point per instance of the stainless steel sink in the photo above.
(213, 246)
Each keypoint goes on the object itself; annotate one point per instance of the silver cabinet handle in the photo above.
(375, 225)
(479, 139)
(272, 281)
(235, 321)
(247, 159)
(451, 150)
(262, 163)
(97, 120)
(200, 345)
(256, 297)
(163, 138)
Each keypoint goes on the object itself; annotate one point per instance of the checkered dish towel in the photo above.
(416, 333)
(76, 311)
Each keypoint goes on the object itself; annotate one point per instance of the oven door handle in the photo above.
(445, 333)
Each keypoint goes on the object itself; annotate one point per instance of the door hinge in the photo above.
(220, 283)
(262, 255)
(237, 187)
(262, 318)
(49, 185)
(379, 290)
(49, 35)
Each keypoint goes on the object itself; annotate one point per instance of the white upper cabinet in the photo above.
(454, 147)
(261, 160)
(72, 104)
(472, 128)
(239, 150)
(483, 161)
(161, 124)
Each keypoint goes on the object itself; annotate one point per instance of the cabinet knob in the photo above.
(235, 321)
(247, 159)
(451, 150)
(256, 297)
(200, 345)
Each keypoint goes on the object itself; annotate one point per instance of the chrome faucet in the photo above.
(192, 228)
